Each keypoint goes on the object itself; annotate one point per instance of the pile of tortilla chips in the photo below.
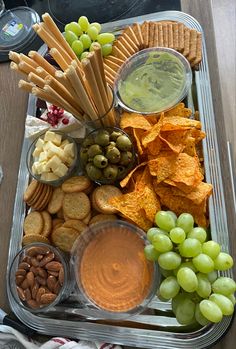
(169, 174)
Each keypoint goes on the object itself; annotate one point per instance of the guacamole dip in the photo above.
(154, 85)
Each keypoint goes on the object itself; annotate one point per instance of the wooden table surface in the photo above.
(218, 21)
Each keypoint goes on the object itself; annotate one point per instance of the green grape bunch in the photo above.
(190, 265)
(82, 35)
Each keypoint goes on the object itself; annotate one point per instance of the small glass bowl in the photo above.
(173, 59)
(26, 294)
(83, 159)
(71, 169)
(119, 267)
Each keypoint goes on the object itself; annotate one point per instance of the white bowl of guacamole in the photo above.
(153, 80)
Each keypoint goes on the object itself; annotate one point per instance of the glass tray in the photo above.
(157, 327)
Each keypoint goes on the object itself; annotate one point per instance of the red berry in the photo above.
(65, 121)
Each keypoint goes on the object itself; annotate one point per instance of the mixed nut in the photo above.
(39, 277)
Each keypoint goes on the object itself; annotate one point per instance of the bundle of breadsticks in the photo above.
(78, 87)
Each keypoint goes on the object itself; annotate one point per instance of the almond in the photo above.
(28, 295)
(33, 304)
(48, 258)
(30, 278)
(48, 298)
(51, 281)
(53, 266)
(21, 293)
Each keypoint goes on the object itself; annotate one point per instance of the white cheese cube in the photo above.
(70, 150)
(42, 156)
(61, 170)
(49, 177)
(64, 143)
(69, 161)
(36, 152)
(52, 149)
(53, 163)
(34, 169)
(53, 137)
(39, 167)
(39, 144)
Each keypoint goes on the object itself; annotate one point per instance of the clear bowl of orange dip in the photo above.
(113, 276)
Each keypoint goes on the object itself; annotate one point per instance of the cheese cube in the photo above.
(39, 167)
(36, 152)
(61, 170)
(42, 156)
(39, 144)
(49, 177)
(70, 150)
(52, 149)
(69, 161)
(34, 169)
(53, 137)
(53, 163)
(64, 143)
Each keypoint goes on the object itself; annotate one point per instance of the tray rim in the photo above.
(148, 338)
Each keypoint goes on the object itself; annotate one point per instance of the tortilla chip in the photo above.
(197, 195)
(175, 140)
(154, 147)
(177, 122)
(138, 134)
(187, 170)
(143, 179)
(163, 166)
(149, 202)
(126, 180)
(179, 110)
(128, 206)
(151, 135)
(153, 119)
(135, 121)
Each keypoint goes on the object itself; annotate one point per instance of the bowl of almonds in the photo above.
(39, 277)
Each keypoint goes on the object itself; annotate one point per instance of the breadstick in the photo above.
(82, 96)
(38, 92)
(61, 90)
(14, 56)
(51, 42)
(58, 58)
(26, 67)
(15, 67)
(63, 102)
(28, 60)
(99, 58)
(32, 77)
(41, 72)
(49, 22)
(24, 85)
(90, 77)
(42, 62)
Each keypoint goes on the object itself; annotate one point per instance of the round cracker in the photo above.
(55, 203)
(57, 221)
(30, 190)
(36, 194)
(87, 218)
(76, 184)
(40, 195)
(64, 238)
(29, 239)
(102, 195)
(33, 223)
(43, 204)
(76, 205)
(76, 224)
(47, 227)
(93, 202)
(102, 218)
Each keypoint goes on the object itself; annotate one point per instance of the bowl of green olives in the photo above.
(107, 155)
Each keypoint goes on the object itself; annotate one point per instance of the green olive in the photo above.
(94, 149)
(102, 138)
(88, 141)
(123, 143)
(114, 135)
(126, 158)
(93, 172)
(121, 172)
(110, 172)
(100, 161)
(83, 155)
(113, 155)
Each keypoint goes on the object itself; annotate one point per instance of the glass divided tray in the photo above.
(157, 327)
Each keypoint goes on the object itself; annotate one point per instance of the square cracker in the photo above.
(151, 34)
(181, 36)
(186, 41)
(199, 50)
(138, 33)
(165, 34)
(160, 34)
(155, 36)
(175, 36)
(145, 33)
(192, 45)
(170, 35)
(130, 32)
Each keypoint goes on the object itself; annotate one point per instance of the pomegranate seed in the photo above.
(65, 121)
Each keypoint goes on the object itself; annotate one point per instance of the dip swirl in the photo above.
(155, 84)
(114, 272)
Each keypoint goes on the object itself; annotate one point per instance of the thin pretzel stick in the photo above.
(82, 96)
(26, 67)
(14, 56)
(28, 60)
(49, 22)
(32, 77)
(42, 62)
(51, 42)
(61, 90)
(24, 85)
(58, 58)
(61, 100)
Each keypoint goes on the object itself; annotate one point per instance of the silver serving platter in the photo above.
(157, 328)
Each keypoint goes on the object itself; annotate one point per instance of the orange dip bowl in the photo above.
(113, 276)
